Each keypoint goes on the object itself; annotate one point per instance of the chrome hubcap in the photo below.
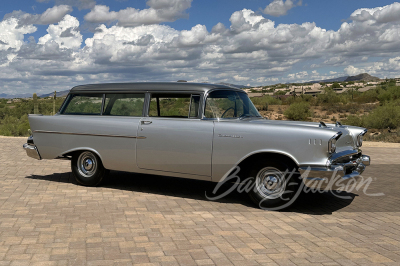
(87, 164)
(270, 182)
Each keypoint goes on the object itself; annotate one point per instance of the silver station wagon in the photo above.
(199, 131)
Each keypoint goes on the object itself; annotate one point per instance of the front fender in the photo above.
(257, 152)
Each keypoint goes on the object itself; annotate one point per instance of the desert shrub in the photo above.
(262, 102)
(298, 111)
(12, 126)
(384, 116)
(353, 120)
(389, 94)
(331, 97)
(280, 92)
(301, 98)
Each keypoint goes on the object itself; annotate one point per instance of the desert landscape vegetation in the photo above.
(367, 102)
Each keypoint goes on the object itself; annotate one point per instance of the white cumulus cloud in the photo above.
(280, 7)
(250, 49)
(12, 36)
(159, 11)
(65, 33)
(50, 16)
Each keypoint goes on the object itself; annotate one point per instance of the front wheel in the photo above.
(88, 169)
(276, 185)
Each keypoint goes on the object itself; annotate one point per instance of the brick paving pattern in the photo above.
(47, 219)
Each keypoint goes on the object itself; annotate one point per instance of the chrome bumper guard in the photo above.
(32, 151)
(335, 176)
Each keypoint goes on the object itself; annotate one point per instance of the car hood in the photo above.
(348, 139)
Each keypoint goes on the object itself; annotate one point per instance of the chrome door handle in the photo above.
(146, 122)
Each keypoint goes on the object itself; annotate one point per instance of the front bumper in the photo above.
(32, 151)
(334, 176)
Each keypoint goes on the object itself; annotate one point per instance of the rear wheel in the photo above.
(275, 185)
(88, 169)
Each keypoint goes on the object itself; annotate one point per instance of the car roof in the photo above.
(150, 86)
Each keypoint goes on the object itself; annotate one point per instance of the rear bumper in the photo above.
(32, 151)
(335, 176)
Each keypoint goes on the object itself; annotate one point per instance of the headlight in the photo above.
(332, 142)
(360, 138)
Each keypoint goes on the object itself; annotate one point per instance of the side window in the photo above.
(174, 105)
(124, 104)
(88, 104)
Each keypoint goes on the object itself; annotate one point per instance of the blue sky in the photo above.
(56, 44)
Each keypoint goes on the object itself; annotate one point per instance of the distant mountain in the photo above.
(339, 79)
(10, 96)
(362, 77)
(234, 85)
(29, 95)
(59, 94)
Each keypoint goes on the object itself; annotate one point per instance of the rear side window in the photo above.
(174, 105)
(88, 104)
(124, 104)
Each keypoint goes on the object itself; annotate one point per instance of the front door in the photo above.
(175, 139)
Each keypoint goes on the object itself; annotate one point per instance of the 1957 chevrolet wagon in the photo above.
(199, 131)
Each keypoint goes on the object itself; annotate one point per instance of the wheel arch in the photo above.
(245, 162)
(73, 151)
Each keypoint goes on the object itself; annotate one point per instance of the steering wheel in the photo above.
(226, 111)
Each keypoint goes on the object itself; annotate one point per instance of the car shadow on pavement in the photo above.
(307, 203)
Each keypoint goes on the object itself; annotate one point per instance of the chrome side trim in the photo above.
(88, 134)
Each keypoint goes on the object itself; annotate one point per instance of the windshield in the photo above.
(229, 104)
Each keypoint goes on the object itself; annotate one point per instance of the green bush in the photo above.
(12, 126)
(298, 111)
(331, 97)
(14, 121)
(389, 94)
(353, 120)
(262, 102)
(281, 92)
(301, 98)
(384, 116)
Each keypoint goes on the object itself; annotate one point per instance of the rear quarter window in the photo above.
(88, 104)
